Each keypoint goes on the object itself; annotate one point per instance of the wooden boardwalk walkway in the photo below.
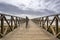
(33, 32)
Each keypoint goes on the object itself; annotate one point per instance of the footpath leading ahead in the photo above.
(33, 32)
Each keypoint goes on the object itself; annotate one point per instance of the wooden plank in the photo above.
(47, 23)
(40, 22)
(51, 22)
(54, 33)
(16, 23)
(43, 22)
(19, 22)
(2, 24)
(33, 33)
(56, 24)
(7, 22)
(6, 29)
(12, 22)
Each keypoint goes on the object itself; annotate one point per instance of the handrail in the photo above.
(12, 23)
(47, 23)
(7, 15)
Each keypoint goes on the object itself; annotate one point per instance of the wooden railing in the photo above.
(50, 23)
(8, 23)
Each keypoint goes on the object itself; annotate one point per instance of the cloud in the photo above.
(11, 9)
(31, 7)
(29, 16)
(4, 7)
(52, 4)
(34, 4)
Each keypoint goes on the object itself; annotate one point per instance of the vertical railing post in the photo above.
(19, 21)
(16, 22)
(56, 25)
(40, 22)
(47, 22)
(12, 22)
(2, 24)
(43, 22)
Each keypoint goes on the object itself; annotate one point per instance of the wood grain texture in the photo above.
(33, 32)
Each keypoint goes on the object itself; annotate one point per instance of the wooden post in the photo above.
(2, 24)
(40, 22)
(43, 22)
(16, 22)
(56, 25)
(19, 21)
(12, 22)
(47, 22)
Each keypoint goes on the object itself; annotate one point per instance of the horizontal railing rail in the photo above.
(8, 23)
(50, 23)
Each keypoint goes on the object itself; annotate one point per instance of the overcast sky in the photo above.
(31, 8)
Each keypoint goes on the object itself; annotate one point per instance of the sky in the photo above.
(30, 8)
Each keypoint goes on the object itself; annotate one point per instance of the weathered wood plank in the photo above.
(32, 33)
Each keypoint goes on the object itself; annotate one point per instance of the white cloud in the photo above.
(24, 16)
(35, 5)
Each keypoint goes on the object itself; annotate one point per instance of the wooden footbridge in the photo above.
(43, 28)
